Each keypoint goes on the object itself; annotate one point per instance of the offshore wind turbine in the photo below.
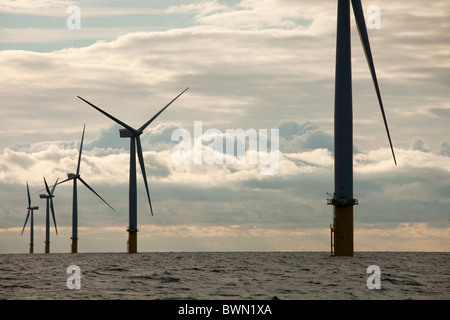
(343, 200)
(49, 197)
(135, 143)
(30, 215)
(75, 177)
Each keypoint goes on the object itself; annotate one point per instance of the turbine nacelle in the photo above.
(33, 208)
(72, 175)
(125, 133)
(46, 196)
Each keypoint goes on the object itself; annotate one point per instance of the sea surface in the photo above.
(225, 275)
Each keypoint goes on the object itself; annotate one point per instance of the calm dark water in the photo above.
(226, 275)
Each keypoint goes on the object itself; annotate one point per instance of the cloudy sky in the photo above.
(249, 64)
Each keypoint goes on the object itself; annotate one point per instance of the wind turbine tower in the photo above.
(343, 200)
(49, 197)
(30, 215)
(135, 143)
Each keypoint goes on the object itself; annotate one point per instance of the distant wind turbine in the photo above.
(74, 177)
(30, 215)
(135, 142)
(342, 200)
(49, 197)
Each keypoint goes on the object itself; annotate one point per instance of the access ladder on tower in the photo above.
(332, 239)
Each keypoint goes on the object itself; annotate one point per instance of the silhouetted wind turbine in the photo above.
(30, 215)
(74, 177)
(49, 197)
(342, 200)
(135, 142)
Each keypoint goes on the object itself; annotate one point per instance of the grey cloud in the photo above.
(445, 149)
(155, 167)
(109, 140)
(441, 112)
(407, 194)
(159, 138)
(419, 144)
(296, 137)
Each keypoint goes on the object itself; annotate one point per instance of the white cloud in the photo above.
(42, 7)
(250, 14)
(200, 8)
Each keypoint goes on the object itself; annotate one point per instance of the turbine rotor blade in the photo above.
(81, 148)
(87, 186)
(54, 186)
(53, 214)
(47, 188)
(26, 220)
(156, 115)
(360, 22)
(110, 116)
(68, 179)
(141, 162)
(29, 198)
